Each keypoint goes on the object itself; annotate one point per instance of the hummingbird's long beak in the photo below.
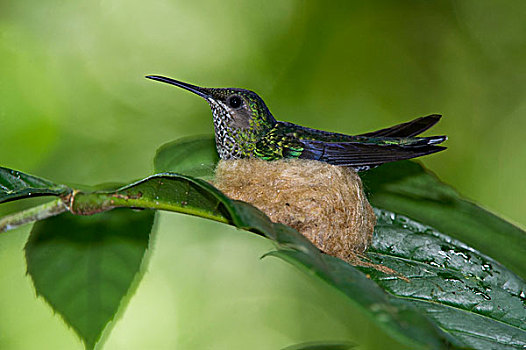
(195, 89)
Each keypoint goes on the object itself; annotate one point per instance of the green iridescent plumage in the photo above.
(244, 128)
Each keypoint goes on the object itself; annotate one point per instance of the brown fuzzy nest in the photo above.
(325, 203)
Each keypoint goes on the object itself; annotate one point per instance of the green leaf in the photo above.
(195, 156)
(471, 296)
(408, 189)
(84, 266)
(16, 185)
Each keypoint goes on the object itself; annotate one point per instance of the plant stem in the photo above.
(32, 214)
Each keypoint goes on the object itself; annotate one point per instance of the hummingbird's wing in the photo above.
(363, 156)
(361, 153)
(412, 128)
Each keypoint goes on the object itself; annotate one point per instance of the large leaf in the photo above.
(84, 266)
(16, 185)
(470, 295)
(407, 188)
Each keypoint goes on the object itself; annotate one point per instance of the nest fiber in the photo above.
(325, 203)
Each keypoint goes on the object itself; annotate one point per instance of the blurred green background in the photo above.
(75, 108)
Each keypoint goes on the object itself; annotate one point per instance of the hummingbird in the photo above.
(245, 128)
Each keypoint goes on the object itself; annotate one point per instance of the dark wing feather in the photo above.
(362, 155)
(412, 128)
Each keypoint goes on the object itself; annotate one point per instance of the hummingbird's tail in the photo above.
(364, 155)
(409, 129)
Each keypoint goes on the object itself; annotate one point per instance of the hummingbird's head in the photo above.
(233, 108)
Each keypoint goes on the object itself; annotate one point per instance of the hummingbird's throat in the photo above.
(225, 136)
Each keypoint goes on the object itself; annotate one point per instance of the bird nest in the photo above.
(325, 203)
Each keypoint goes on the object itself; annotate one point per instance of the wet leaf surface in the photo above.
(470, 295)
(408, 189)
(402, 322)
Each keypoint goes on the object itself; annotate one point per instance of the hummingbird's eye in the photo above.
(235, 101)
